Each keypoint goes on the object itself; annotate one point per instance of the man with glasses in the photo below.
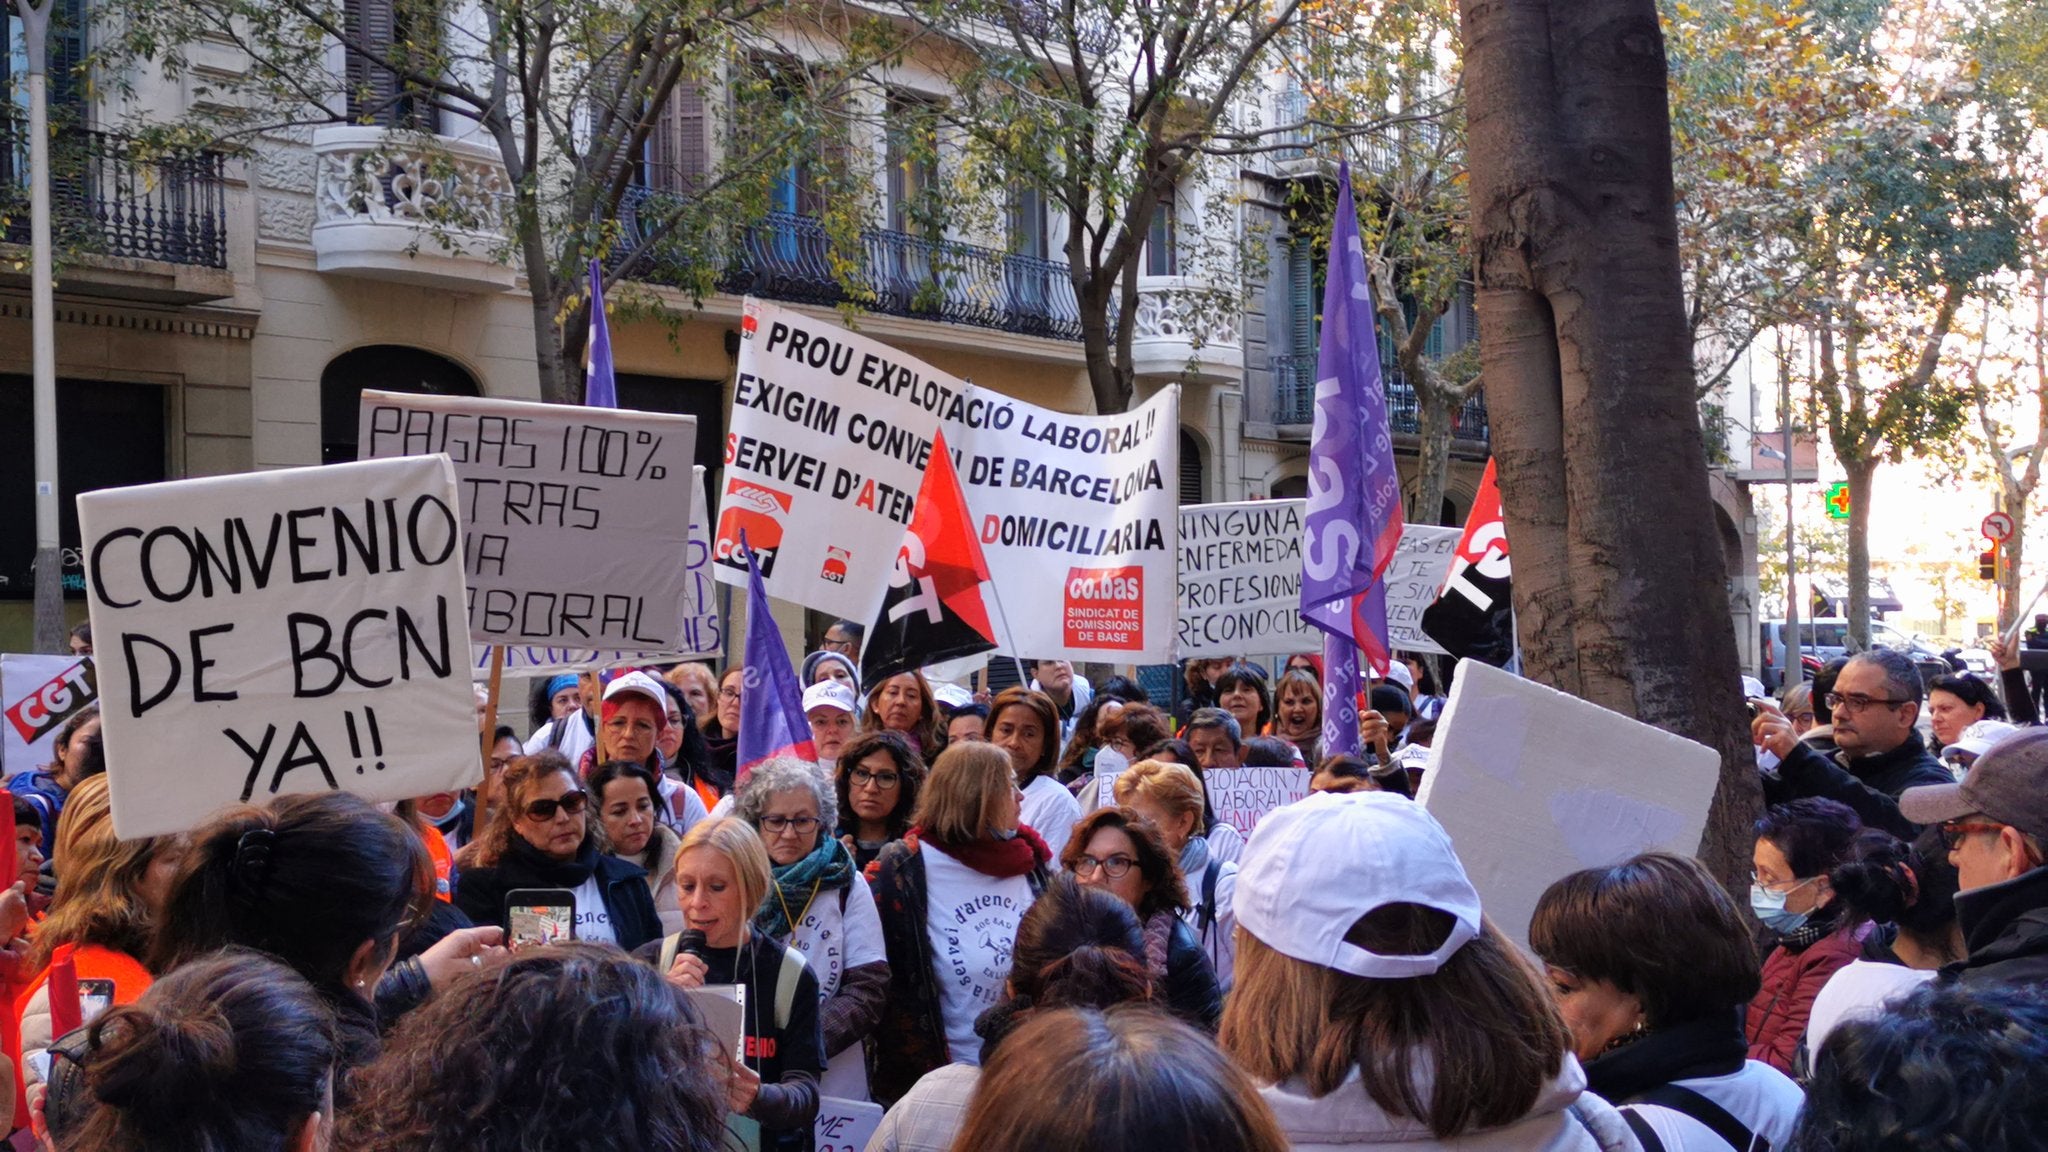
(1878, 753)
(844, 637)
(1995, 824)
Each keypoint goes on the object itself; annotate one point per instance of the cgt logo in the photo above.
(1105, 608)
(758, 512)
(43, 708)
(836, 559)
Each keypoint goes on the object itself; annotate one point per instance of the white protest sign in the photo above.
(1414, 578)
(1109, 764)
(39, 693)
(829, 436)
(289, 631)
(1240, 580)
(1534, 784)
(845, 1125)
(574, 519)
(703, 630)
(1242, 795)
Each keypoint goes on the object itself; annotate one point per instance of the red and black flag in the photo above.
(1475, 614)
(933, 609)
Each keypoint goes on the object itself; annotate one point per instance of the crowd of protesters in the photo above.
(1015, 921)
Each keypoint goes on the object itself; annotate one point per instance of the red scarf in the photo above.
(1001, 859)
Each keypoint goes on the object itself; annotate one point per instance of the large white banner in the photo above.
(271, 632)
(1414, 579)
(1240, 580)
(574, 519)
(39, 693)
(829, 436)
(703, 629)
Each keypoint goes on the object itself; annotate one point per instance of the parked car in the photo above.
(1822, 639)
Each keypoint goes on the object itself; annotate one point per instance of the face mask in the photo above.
(1769, 907)
(1003, 833)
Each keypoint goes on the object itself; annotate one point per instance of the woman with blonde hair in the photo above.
(1375, 1005)
(951, 894)
(1171, 798)
(109, 893)
(903, 704)
(722, 876)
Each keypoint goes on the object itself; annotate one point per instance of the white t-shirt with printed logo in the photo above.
(971, 924)
(593, 920)
(833, 941)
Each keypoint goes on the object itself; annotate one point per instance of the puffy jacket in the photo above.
(1189, 986)
(1777, 1016)
(1566, 1118)
(2005, 927)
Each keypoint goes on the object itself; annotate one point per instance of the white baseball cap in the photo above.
(1397, 673)
(1313, 868)
(828, 694)
(640, 684)
(1980, 736)
(951, 695)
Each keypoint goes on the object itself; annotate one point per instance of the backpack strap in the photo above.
(793, 965)
(1645, 1135)
(1205, 912)
(1687, 1102)
(670, 945)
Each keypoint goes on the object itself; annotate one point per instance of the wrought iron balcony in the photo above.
(1294, 396)
(785, 256)
(108, 197)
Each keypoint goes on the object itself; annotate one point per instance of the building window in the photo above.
(381, 31)
(677, 153)
(1160, 257)
(1194, 486)
(1027, 222)
(913, 162)
(110, 434)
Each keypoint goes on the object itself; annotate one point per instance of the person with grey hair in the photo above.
(1216, 738)
(1879, 753)
(820, 905)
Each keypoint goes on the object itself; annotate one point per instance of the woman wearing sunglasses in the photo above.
(1121, 852)
(543, 837)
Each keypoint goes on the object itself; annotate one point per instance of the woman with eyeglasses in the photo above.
(722, 733)
(1121, 852)
(1797, 846)
(951, 894)
(819, 904)
(877, 781)
(543, 837)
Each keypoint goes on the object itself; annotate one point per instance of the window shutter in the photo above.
(66, 56)
(679, 154)
(1301, 298)
(372, 89)
(1192, 482)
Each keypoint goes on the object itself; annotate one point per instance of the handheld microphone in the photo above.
(692, 941)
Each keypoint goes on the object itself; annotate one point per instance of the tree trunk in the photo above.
(1435, 411)
(1860, 474)
(1620, 584)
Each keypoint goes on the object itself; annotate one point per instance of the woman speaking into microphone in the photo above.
(722, 875)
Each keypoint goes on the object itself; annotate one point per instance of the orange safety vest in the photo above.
(92, 962)
(444, 861)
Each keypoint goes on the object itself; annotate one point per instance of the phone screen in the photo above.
(94, 997)
(541, 923)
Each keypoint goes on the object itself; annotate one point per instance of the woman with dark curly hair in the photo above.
(1124, 854)
(234, 1051)
(877, 781)
(572, 1047)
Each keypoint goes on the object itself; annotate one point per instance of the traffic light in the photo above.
(1987, 564)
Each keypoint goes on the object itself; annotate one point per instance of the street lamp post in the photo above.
(49, 565)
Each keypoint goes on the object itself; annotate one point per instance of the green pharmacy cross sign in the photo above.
(1838, 500)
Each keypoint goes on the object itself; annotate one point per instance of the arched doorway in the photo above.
(1194, 487)
(1290, 488)
(384, 368)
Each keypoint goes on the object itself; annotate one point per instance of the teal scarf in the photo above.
(828, 868)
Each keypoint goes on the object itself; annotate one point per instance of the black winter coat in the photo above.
(2005, 927)
(1868, 784)
(480, 892)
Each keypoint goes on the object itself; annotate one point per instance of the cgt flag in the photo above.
(1353, 522)
(932, 609)
(771, 705)
(1474, 616)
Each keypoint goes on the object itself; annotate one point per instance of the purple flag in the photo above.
(1354, 491)
(771, 705)
(600, 385)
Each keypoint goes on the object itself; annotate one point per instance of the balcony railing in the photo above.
(1040, 20)
(1294, 401)
(785, 256)
(109, 198)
